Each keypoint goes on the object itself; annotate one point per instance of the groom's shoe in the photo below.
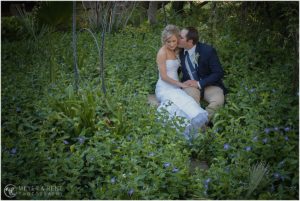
(210, 124)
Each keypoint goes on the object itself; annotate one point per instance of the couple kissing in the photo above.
(202, 75)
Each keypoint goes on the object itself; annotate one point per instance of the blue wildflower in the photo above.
(113, 180)
(130, 192)
(227, 169)
(175, 170)
(53, 85)
(276, 129)
(81, 139)
(231, 155)
(287, 129)
(207, 181)
(18, 110)
(166, 165)
(252, 90)
(248, 148)
(226, 146)
(151, 154)
(286, 138)
(272, 188)
(65, 142)
(255, 139)
(267, 130)
(276, 175)
(13, 151)
(265, 140)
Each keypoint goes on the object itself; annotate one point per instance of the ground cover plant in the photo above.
(91, 145)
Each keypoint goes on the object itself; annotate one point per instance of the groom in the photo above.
(201, 70)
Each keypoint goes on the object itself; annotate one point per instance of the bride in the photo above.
(169, 89)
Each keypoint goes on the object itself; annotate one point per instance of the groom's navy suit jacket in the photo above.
(209, 69)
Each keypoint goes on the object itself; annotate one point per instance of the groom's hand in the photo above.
(192, 83)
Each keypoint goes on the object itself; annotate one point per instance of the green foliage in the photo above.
(257, 173)
(30, 25)
(114, 146)
(55, 14)
(10, 28)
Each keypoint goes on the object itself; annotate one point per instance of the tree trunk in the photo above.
(76, 74)
(152, 12)
(213, 18)
(143, 11)
(128, 17)
(202, 4)
(112, 17)
(243, 20)
(165, 14)
(296, 66)
(106, 10)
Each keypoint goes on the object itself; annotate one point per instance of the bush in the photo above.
(10, 28)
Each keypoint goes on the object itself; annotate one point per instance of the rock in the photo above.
(152, 100)
(196, 163)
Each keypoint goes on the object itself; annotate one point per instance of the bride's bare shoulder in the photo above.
(162, 53)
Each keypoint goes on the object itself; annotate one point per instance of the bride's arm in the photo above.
(161, 62)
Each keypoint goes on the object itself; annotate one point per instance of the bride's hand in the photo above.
(191, 83)
(183, 85)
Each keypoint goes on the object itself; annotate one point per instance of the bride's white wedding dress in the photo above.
(174, 100)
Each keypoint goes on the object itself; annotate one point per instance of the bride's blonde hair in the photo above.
(169, 31)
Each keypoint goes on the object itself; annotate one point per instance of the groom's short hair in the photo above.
(192, 34)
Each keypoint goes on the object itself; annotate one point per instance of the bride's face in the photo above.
(171, 42)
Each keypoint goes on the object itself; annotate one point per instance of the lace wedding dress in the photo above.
(177, 103)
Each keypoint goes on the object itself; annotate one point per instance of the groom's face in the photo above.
(183, 42)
